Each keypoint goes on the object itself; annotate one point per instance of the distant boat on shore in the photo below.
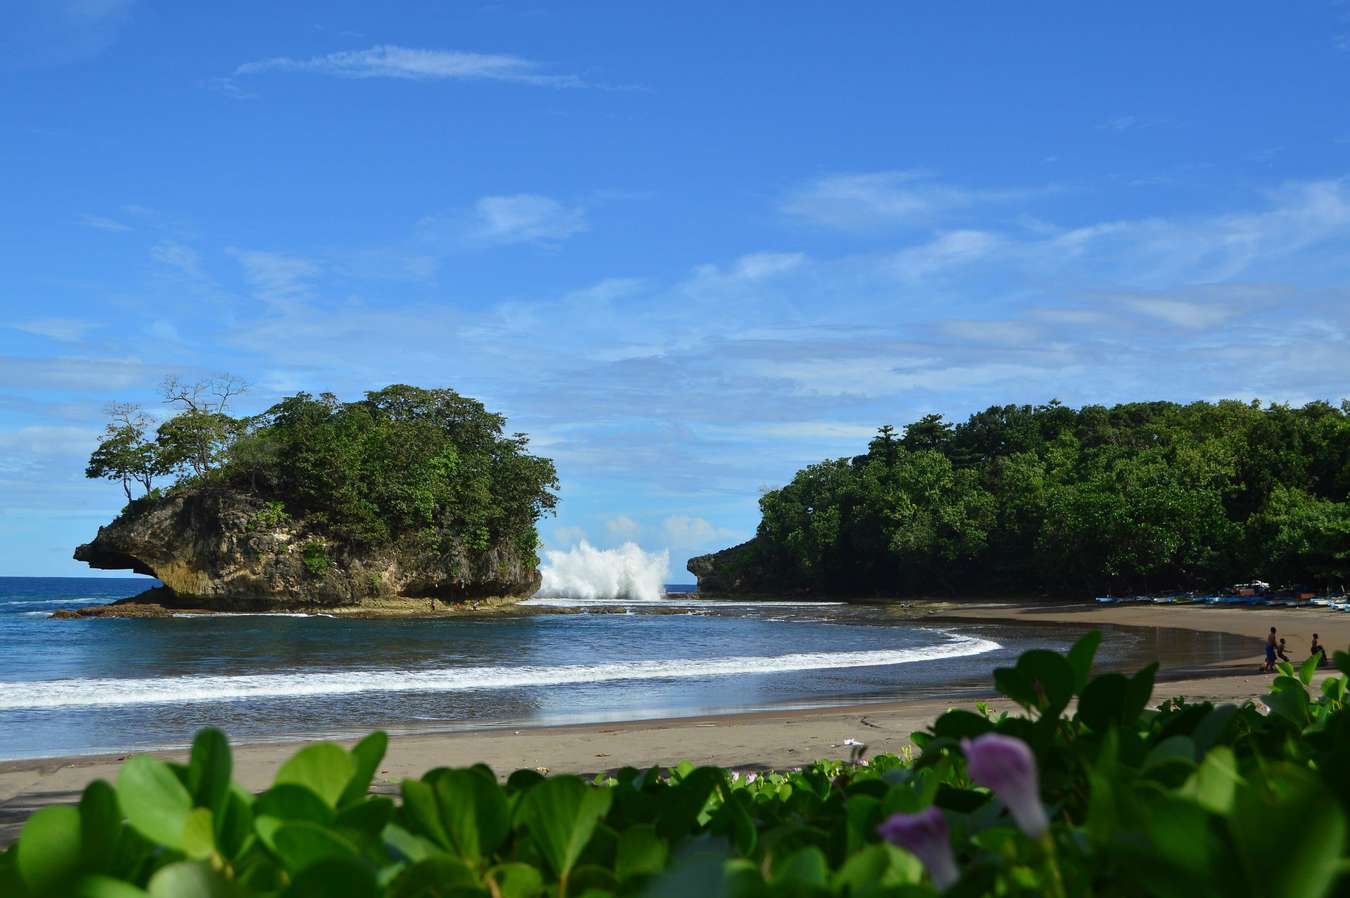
(1255, 592)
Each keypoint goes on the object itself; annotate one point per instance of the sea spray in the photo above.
(586, 573)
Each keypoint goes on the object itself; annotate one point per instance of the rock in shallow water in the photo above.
(212, 549)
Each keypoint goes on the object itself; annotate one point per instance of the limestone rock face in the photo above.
(219, 549)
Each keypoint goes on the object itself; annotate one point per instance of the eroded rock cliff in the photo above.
(222, 550)
(737, 571)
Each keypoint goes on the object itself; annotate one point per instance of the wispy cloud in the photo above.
(412, 64)
(690, 532)
(277, 278)
(230, 88)
(1181, 313)
(868, 200)
(622, 527)
(54, 32)
(1006, 333)
(100, 223)
(178, 256)
(502, 221)
(1119, 123)
(67, 330)
(758, 266)
(953, 249)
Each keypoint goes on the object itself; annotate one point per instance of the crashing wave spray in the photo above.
(586, 573)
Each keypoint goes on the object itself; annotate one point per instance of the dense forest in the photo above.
(402, 461)
(1052, 499)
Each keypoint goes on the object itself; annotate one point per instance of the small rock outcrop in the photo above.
(737, 571)
(221, 550)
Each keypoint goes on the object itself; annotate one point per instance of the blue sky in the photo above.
(688, 248)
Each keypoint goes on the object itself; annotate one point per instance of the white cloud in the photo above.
(1119, 123)
(757, 266)
(49, 440)
(101, 223)
(622, 527)
(277, 277)
(1182, 314)
(165, 331)
(54, 32)
(1207, 249)
(390, 61)
(67, 330)
(686, 532)
(1071, 317)
(568, 536)
(949, 250)
(817, 430)
(864, 201)
(525, 218)
(178, 256)
(95, 375)
(1010, 333)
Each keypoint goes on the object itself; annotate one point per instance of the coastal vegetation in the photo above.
(1113, 797)
(407, 492)
(1053, 499)
(402, 460)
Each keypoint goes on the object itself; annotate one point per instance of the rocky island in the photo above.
(406, 497)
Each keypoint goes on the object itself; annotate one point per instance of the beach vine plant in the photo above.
(1087, 790)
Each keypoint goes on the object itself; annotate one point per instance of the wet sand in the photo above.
(753, 740)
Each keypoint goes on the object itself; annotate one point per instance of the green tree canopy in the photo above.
(401, 461)
(1140, 496)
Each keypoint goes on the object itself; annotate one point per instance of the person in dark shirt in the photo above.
(1318, 651)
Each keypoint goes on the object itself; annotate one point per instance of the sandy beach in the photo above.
(748, 740)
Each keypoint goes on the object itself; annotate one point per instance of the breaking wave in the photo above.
(590, 574)
(98, 692)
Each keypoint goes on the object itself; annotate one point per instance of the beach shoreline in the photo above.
(750, 739)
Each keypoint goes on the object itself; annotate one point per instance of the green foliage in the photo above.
(1135, 497)
(1179, 800)
(124, 454)
(401, 463)
(315, 556)
(272, 515)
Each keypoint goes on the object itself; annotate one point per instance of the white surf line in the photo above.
(563, 602)
(93, 692)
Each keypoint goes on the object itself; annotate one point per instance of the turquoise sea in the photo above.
(93, 685)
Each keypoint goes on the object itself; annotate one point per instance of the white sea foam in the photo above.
(92, 692)
(251, 614)
(586, 573)
(542, 601)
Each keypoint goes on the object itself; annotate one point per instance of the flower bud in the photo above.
(1007, 767)
(925, 836)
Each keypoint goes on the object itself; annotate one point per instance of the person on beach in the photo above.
(1281, 653)
(1270, 652)
(1318, 651)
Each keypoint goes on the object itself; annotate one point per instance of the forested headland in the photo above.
(1022, 499)
(406, 491)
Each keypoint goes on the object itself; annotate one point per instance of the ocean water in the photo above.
(82, 686)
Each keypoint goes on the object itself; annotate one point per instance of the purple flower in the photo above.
(924, 835)
(1007, 767)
